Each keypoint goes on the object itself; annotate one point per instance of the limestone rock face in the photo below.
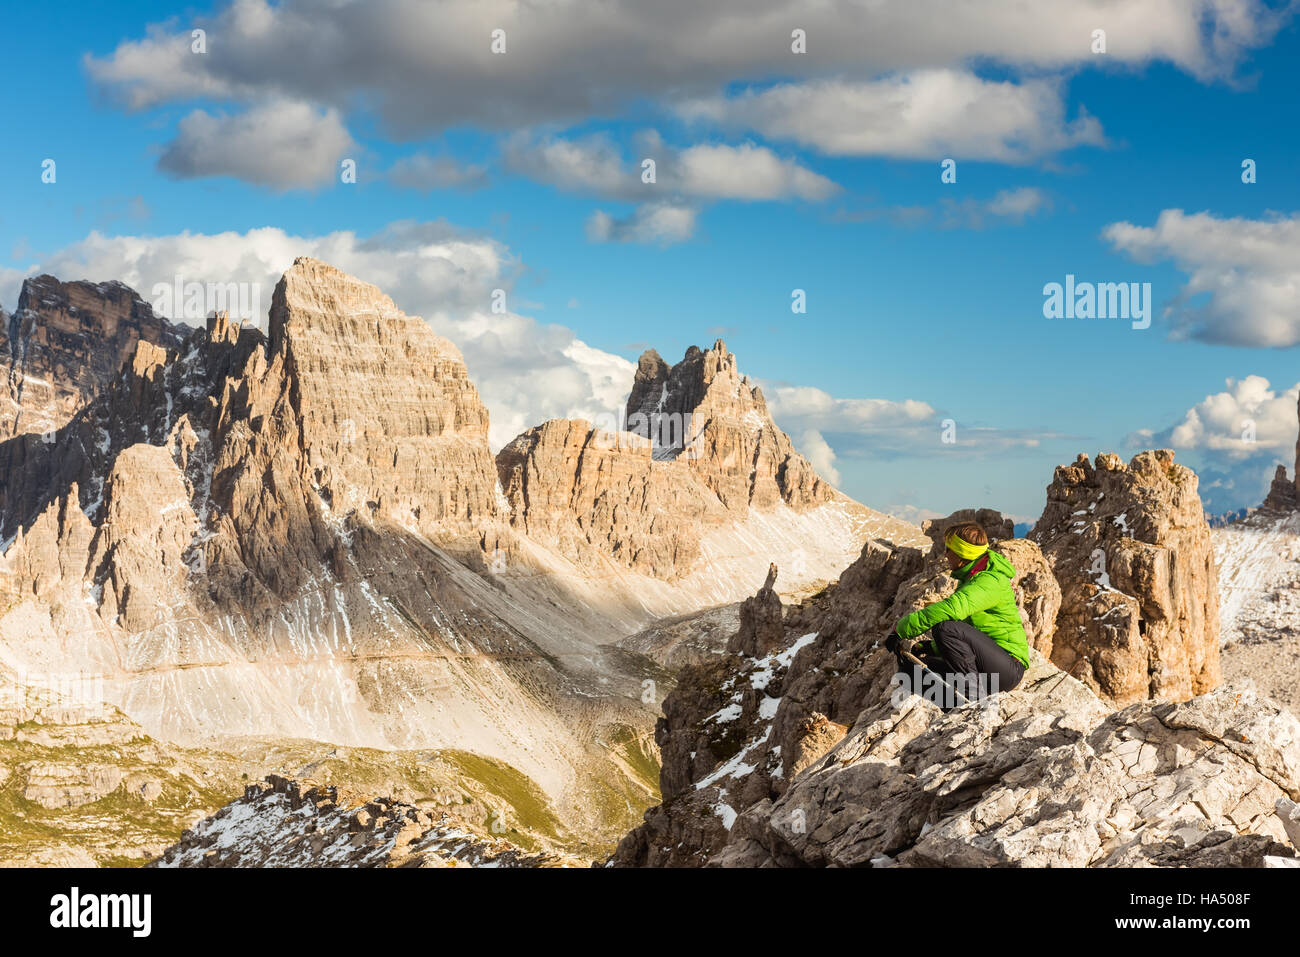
(585, 490)
(64, 342)
(704, 411)
(1131, 550)
(808, 756)
(384, 410)
(700, 459)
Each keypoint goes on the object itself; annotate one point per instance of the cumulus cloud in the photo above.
(662, 223)
(594, 165)
(818, 451)
(668, 206)
(1236, 438)
(1248, 420)
(430, 269)
(744, 172)
(928, 114)
(591, 165)
(1243, 282)
(425, 173)
(281, 144)
(429, 66)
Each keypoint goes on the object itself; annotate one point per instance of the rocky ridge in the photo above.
(701, 477)
(283, 823)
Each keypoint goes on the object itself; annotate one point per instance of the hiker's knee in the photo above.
(945, 633)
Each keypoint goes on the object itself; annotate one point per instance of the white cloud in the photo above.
(810, 408)
(1243, 282)
(883, 428)
(1017, 204)
(1215, 433)
(744, 172)
(663, 223)
(430, 269)
(817, 450)
(282, 144)
(1248, 420)
(1005, 206)
(429, 66)
(594, 165)
(928, 114)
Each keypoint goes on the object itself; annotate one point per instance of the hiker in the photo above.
(977, 643)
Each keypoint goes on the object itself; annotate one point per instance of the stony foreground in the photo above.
(1043, 776)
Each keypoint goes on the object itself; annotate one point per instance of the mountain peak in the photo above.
(66, 341)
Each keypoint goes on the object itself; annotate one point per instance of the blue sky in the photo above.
(818, 171)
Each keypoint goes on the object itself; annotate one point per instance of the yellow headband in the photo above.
(962, 548)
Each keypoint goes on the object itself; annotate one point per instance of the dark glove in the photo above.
(891, 643)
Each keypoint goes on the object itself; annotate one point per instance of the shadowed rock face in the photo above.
(66, 341)
(1284, 495)
(1131, 549)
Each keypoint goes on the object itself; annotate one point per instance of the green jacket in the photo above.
(985, 600)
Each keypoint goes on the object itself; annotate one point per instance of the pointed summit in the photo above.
(705, 411)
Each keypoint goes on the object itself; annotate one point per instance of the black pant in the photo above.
(970, 662)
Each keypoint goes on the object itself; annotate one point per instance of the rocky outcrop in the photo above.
(1131, 550)
(66, 341)
(1283, 494)
(736, 732)
(282, 823)
(809, 755)
(1041, 777)
(702, 410)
